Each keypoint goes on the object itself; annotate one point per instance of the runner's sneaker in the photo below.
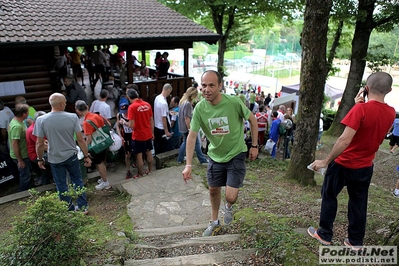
(128, 175)
(85, 211)
(313, 233)
(228, 215)
(99, 181)
(103, 185)
(348, 244)
(211, 229)
(396, 193)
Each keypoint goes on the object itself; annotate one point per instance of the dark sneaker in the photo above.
(349, 245)
(228, 215)
(128, 175)
(313, 233)
(85, 211)
(211, 229)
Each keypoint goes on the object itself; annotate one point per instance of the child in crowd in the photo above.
(263, 126)
(125, 132)
(320, 132)
(396, 191)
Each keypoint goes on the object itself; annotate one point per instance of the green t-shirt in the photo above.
(223, 125)
(17, 131)
(252, 98)
(242, 98)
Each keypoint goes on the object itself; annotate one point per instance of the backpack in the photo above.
(286, 124)
(281, 129)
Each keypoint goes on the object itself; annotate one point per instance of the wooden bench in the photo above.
(163, 157)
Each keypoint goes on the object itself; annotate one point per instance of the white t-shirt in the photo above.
(101, 108)
(5, 117)
(161, 109)
(280, 116)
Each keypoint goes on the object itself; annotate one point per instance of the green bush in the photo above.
(46, 234)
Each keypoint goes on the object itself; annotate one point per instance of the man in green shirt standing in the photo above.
(18, 148)
(221, 117)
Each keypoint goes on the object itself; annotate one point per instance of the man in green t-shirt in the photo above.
(18, 147)
(221, 117)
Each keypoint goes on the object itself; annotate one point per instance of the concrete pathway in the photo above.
(162, 200)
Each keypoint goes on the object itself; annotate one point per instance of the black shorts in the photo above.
(77, 69)
(394, 140)
(98, 158)
(139, 146)
(128, 142)
(229, 174)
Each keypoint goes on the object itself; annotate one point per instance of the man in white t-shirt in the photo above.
(101, 106)
(5, 117)
(161, 120)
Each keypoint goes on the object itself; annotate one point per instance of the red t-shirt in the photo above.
(140, 112)
(98, 120)
(31, 142)
(371, 121)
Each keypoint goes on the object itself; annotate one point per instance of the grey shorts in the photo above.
(229, 174)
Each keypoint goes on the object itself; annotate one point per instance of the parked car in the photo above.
(240, 63)
(293, 57)
(253, 59)
(211, 60)
(228, 62)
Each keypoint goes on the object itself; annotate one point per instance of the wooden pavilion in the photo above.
(30, 30)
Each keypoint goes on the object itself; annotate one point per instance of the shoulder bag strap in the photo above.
(91, 123)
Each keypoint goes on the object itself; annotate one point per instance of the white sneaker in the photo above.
(103, 185)
(396, 193)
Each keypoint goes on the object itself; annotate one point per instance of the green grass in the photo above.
(273, 212)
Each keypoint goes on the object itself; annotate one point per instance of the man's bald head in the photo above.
(379, 83)
(56, 98)
(167, 87)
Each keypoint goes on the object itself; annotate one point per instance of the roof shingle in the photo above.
(49, 21)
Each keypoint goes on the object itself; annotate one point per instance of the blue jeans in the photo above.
(198, 151)
(59, 171)
(24, 175)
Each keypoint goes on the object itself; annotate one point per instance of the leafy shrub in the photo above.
(46, 234)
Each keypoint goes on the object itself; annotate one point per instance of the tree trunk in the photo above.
(334, 46)
(311, 92)
(221, 50)
(218, 17)
(360, 43)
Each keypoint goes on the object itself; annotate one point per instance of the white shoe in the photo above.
(103, 185)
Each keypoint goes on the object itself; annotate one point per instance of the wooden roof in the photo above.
(140, 24)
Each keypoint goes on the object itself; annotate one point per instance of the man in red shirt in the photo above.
(350, 163)
(98, 158)
(141, 121)
(45, 174)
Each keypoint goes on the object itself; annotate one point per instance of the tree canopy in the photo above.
(233, 19)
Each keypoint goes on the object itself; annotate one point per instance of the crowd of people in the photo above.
(232, 128)
(100, 65)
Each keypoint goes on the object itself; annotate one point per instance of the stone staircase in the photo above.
(185, 246)
(169, 218)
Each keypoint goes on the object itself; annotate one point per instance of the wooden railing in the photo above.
(148, 89)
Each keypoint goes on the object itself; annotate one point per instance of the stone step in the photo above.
(208, 240)
(153, 232)
(200, 259)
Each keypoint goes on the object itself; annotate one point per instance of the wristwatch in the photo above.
(254, 146)
(40, 160)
